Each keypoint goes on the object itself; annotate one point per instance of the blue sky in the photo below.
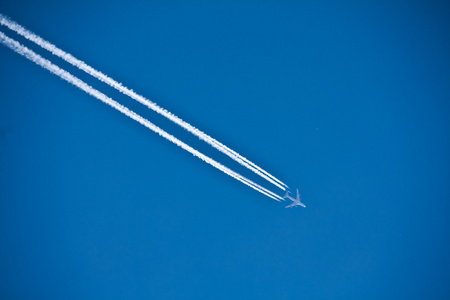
(348, 102)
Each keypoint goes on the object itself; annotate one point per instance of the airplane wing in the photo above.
(298, 195)
(293, 204)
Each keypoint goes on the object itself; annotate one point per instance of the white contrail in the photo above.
(46, 64)
(102, 77)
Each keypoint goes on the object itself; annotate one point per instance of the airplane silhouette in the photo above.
(295, 202)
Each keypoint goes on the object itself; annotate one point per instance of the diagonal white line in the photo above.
(102, 77)
(46, 64)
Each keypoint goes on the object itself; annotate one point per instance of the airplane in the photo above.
(295, 202)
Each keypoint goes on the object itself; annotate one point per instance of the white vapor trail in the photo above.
(102, 77)
(46, 64)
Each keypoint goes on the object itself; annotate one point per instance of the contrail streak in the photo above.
(46, 64)
(102, 77)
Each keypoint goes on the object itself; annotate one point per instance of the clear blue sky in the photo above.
(348, 102)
